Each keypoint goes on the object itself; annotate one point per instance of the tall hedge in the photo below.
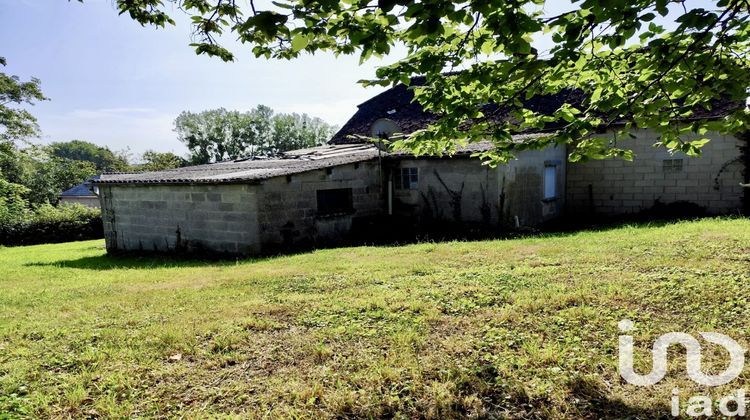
(49, 224)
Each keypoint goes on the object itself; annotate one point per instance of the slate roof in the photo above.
(397, 104)
(244, 170)
(81, 190)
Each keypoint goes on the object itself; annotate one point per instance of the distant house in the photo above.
(83, 193)
(320, 195)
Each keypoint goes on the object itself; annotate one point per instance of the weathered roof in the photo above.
(397, 105)
(475, 147)
(81, 190)
(243, 170)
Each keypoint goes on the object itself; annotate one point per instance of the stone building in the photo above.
(322, 195)
(84, 194)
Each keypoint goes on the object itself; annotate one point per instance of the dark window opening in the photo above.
(672, 165)
(407, 179)
(335, 201)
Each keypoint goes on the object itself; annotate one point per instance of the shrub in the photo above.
(49, 224)
(13, 207)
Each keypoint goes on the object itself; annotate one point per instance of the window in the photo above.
(335, 201)
(407, 179)
(672, 165)
(550, 182)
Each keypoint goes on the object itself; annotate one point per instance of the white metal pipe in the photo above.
(390, 197)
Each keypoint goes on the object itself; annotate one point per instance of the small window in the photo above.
(407, 179)
(672, 165)
(550, 182)
(335, 201)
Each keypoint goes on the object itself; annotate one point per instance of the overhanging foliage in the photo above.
(638, 63)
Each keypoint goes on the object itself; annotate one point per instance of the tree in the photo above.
(50, 175)
(157, 161)
(44, 175)
(13, 204)
(208, 134)
(17, 123)
(217, 135)
(36, 175)
(635, 63)
(103, 159)
(15, 166)
(295, 131)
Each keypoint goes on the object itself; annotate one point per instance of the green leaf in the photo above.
(699, 143)
(299, 42)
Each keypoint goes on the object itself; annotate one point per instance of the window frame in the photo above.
(547, 185)
(672, 165)
(411, 175)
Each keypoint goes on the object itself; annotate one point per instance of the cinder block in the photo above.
(632, 203)
(643, 183)
(644, 169)
(674, 190)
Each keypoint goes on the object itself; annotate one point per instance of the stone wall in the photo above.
(612, 187)
(217, 218)
(288, 213)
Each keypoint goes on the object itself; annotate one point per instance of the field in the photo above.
(513, 328)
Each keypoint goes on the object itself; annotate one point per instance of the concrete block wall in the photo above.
(613, 187)
(469, 193)
(218, 218)
(489, 195)
(522, 184)
(287, 206)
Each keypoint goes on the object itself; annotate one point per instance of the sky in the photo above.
(118, 84)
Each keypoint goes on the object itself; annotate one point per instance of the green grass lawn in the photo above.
(513, 328)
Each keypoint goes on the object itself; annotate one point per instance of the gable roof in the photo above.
(253, 169)
(81, 190)
(397, 105)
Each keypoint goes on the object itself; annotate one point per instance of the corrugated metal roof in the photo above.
(293, 162)
(244, 170)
